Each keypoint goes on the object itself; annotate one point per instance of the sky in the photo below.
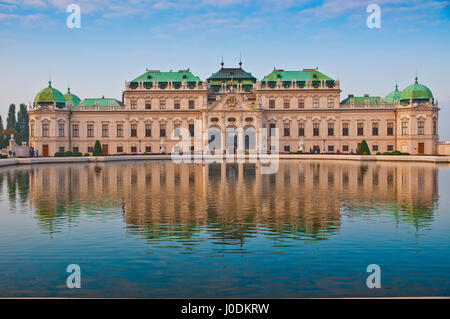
(119, 39)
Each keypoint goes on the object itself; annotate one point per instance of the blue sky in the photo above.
(118, 40)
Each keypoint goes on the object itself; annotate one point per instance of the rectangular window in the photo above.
(404, 128)
(119, 149)
(75, 149)
(316, 129)
(162, 130)
(287, 148)
(162, 104)
(271, 104)
(272, 129)
(330, 129)
(301, 129)
(434, 127)
(61, 149)
(191, 104)
(330, 148)
(330, 103)
(133, 104)
(375, 129)
(133, 130)
(90, 149)
(390, 129)
(375, 148)
(176, 105)
(148, 149)
(32, 130)
(287, 129)
(133, 149)
(119, 130)
(90, 130)
(420, 128)
(75, 130)
(148, 130)
(315, 103)
(176, 130)
(286, 103)
(345, 148)
(301, 103)
(60, 130)
(105, 130)
(191, 129)
(360, 129)
(148, 105)
(344, 129)
(390, 148)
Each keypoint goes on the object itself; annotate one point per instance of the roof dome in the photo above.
(50, 95)
(71, 99)
(394, 96)
(417, 92)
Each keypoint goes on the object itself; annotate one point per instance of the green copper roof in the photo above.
(296, 75)
(226, 74)
(157, 76)
(394, 96)
(362, 100)
(416, 91)
(49, 95)
(100, 102)
(71, 99)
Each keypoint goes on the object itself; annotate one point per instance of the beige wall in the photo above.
(443, 149)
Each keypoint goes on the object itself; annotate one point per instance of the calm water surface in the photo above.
(158, 229)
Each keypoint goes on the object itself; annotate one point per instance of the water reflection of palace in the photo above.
(304, 199)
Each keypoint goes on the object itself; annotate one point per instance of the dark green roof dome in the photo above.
(71, 99)
(394, 96)
(49, 95)
(416, 91)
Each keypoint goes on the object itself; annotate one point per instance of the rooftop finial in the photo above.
(49, 80)
(221, 63)
(240, 60)
(396, 86)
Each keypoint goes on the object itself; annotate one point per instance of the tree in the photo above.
(3, 140)
(364, 148)
(22, 124)
(11, 119)
(97, 149)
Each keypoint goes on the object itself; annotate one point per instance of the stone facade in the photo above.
(303, 105)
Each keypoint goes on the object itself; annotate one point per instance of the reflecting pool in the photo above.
(159, 229)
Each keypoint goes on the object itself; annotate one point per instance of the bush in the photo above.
(364, 148)
(299, 152)
(97, 149)
(163, 153)
(396, 153)
(77, 154)
(378, 153)
(59, 154)
(87, 154)
(68, 153)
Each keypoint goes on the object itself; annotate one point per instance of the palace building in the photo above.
(230, 111)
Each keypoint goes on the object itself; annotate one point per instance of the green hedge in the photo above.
(97, 149)
(395, 153)
(364, 148)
